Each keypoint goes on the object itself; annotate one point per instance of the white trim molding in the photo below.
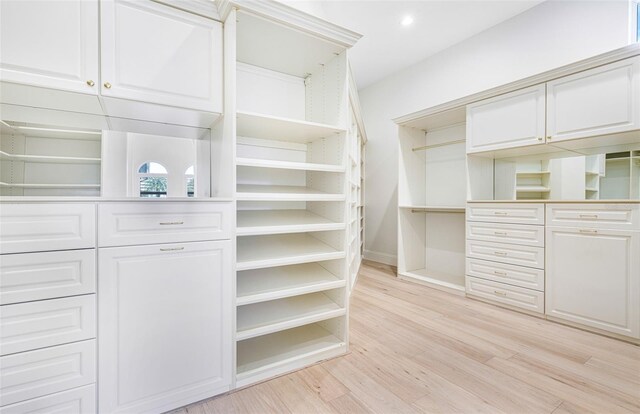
(205, 8)
(384, 258)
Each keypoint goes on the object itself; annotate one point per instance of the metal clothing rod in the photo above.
(459, 141)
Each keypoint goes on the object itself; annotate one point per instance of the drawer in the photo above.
(45, 371)
(522, 276)
(506, 233)
(43, 227)
(527, 299)
(151, 222)
(47, 275)
(602, 216)
(506, 253)
(515, 213)
(80, 400)
(32, 325)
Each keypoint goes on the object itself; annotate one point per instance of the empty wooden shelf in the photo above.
(256, 125)
(256, 222)
(246, 192)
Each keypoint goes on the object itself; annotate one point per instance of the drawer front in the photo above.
(506, 253)
(48, 275)
(527, 299)
(126, 224)
(32, 325)
(525, 277)
(80, 400)
(45, 371)
(602, 216)
(42, 227)
(506, 213)
(506, 233)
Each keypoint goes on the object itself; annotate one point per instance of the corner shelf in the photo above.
(246, 192)
(435, 209)
(259, 222)
(255, 125)
(257, 252)
(438, 279)
(288, 165)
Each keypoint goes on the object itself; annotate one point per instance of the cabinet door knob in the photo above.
(90, 82)
(107, 85)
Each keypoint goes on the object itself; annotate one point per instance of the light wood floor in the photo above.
(415, 350)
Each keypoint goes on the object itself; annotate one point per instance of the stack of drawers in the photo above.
(505, 254)
(47, 307)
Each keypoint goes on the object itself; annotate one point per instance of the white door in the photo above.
(593, 278)
(159, 54)
(53, 44)
(600, 101)
(165, 325)
(511, 120)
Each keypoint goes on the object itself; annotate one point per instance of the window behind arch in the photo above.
(153, 180)
(190, 177)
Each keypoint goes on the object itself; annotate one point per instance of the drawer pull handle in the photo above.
(497, 292)
(171, 223)
(589, 231)
(500, 213)
(500, 253)
(500, 233)
(171, 249)
(589, 216)
(495, 272)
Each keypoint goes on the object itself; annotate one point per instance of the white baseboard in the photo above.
(384, 258)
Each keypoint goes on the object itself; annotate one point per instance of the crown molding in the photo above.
(582, 65)
(205, 8)
(291, 17)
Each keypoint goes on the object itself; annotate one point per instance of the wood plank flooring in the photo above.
(419, 350)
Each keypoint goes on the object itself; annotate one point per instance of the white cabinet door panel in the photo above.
(593, 278)
(516, 213)
(47, 275)
(165, 325)
(511, 120)
(506, 253)
(53, 44)
(36, 373)
(158, 54)
(506, 233)
(603, 216)
(600, 101)
(527, 299)
(522, 276)
(80, 400)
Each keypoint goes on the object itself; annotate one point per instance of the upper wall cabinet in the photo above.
(53, 44)
(604, 100)
(158, 54)
(512, 120)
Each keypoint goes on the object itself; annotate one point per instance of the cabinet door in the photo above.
(53, 44)
(158, 54)
(165, 325)
(593, 278)
(512, 120)
(599, 101)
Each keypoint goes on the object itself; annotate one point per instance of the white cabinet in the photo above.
(512, 120)
(593, 278)
(57, 47)
(158, 54)
(165, 325)
(600, 101)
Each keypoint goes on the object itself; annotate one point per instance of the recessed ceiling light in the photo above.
(406, 21)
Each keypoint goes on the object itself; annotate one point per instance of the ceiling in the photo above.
(387, 46)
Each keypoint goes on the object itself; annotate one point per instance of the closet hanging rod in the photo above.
(439, 210)
(424, 147)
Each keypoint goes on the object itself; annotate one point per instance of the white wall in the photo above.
(552, 34)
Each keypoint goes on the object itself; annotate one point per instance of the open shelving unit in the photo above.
(292, 190)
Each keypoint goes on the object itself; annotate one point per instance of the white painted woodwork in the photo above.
(148, 222)
(37, 50)
(277, 315)
(40, 227)
(257, 222)
(282, 129)
(511, 120)
(47, 275)
(256, 252)
(526, 277)
(165, 325)
(37, 373)
(159, 54)
(593, 278)
(530, 300)
(79, 400)
(32, 325)
(515, 213)
(288, 165)
(506, 253)
(600, 216)
(260, 285)
(506, 233)
(599, 101)
(248, 192)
